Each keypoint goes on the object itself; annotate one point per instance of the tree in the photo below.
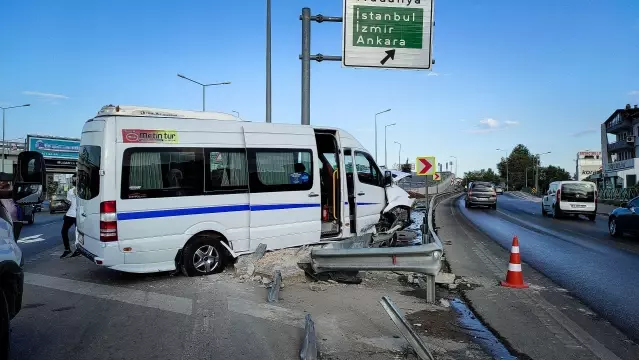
(481, 175)
(520, 166)
(406, 167)
(551, 173)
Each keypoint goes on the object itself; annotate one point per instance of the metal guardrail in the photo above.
(618, 194)
(406, 329)
(423, 259)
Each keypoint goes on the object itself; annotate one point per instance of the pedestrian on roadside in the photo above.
(69, 219)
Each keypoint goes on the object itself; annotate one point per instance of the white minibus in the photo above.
(163, 190)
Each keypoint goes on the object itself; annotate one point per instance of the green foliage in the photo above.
(52, 187)
(482, 175)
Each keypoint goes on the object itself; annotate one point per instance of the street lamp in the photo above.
(268, 61)
(537, 161)
(399, 155)
(455, 157)
(3, 143)
(238, 113)
(385, 153)
(203, 88)
(506, 151)
(381, 112)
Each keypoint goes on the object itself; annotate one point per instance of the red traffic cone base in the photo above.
(514, 276)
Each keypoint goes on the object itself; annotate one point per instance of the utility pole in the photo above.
(3, 128)
(537, 163)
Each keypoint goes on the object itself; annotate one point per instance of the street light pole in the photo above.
(386, 153)
(268, 61)
(537, 162)
(203, 88)
(3, 128)
(399, 155)
(237, 112)
(507, 185)
(455, 157)
(381, 112)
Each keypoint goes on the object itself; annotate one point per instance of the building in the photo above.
(11, 151)
(620, 148)
(588, 163)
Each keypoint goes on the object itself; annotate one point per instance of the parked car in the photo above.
(499, 190)
(625, 219)
(58, 203)
(481, 193)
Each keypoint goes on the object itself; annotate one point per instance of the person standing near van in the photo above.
(69, 219)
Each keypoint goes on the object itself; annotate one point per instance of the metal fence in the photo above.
(618, 194)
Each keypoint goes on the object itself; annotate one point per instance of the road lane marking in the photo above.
(31, 239)
(267, 312)
(148, 299)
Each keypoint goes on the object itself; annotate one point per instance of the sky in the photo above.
(542, 73)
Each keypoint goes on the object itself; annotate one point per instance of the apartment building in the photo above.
(620, 148)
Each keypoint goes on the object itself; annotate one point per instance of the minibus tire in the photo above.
(201, 243)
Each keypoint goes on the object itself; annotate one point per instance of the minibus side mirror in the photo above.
(388, 178)
(29, 182)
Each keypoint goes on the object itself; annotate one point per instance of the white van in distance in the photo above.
(570, 198)
(160, 190)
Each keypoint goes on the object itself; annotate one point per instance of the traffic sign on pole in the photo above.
(437, 177)
(425, 165)
(392, 35)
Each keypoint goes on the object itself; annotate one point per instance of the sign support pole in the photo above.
(306, 66)
(306, 58)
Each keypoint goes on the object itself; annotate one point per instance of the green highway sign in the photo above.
(388, 34)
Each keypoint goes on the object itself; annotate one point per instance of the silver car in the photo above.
(481, 194)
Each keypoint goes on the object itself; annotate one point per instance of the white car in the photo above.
(27, 189)
(570, 198)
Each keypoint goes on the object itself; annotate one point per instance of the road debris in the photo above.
(445, 278)
(274, 290)
(309, 346)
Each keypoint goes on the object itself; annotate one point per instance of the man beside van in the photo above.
(69, 219)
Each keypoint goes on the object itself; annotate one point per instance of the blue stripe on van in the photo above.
(181, 212)
(208, 210)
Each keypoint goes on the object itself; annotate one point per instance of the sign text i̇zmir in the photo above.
(383, 26)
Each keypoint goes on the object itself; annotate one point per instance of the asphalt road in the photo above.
(73, 309)
(575, 253)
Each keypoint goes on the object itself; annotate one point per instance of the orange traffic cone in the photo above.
(514, 276)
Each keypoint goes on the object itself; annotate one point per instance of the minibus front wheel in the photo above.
(203, 255)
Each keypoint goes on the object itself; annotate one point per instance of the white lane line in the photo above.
(148, 299)
(31, 239)
(267, 312)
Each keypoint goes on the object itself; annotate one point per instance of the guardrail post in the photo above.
(430, 289)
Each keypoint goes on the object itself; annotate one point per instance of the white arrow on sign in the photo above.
(31, 239)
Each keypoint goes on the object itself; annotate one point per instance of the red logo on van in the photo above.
(130, 136)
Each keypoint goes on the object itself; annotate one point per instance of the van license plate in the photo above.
(578, 206)
(80, 239)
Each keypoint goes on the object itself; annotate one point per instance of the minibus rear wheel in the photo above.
(203, 255)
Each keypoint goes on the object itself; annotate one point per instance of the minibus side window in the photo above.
(226, 171)
(272, 170)
(162, 172)
(367, 171)
(88, 186)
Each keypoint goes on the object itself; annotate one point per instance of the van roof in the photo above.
(142, 111)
